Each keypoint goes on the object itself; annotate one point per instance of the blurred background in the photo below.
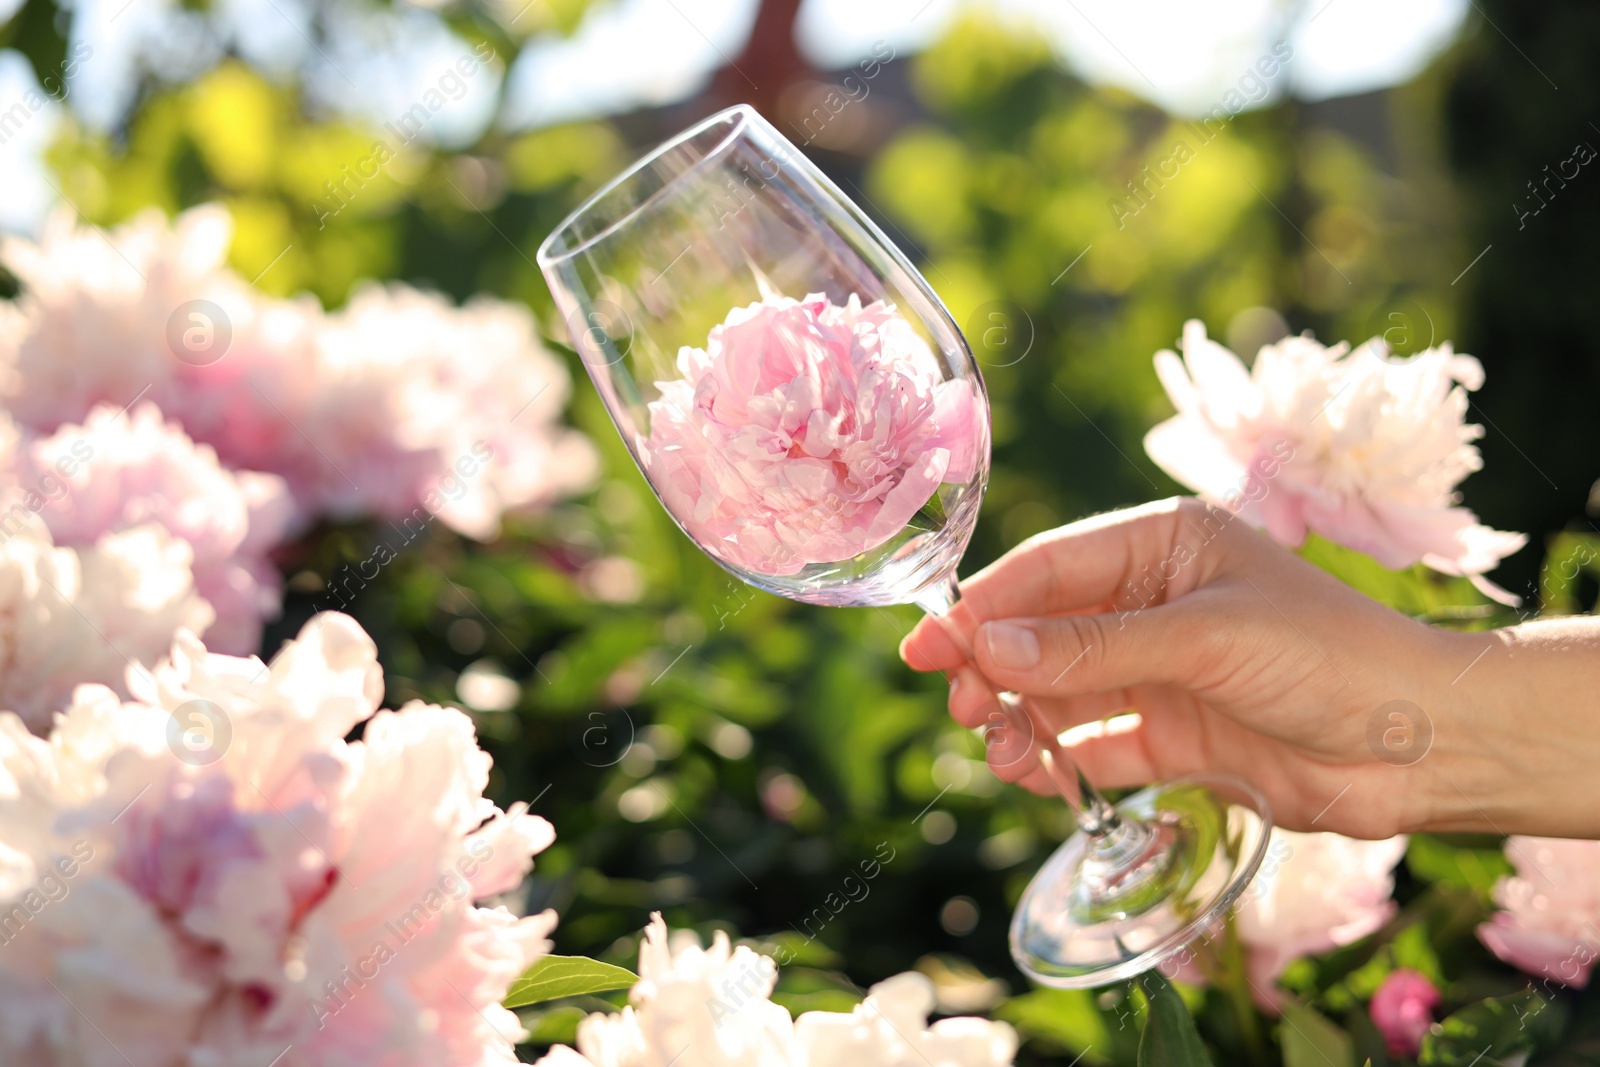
(1075, 178)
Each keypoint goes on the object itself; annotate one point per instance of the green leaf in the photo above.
(555, 1026)
(1580, 1044)
(1500, 1030)
(1310, 1040)
(1412, 950)
(1567, 556)
(1170, 1039)
(1416, 591)
(35, 31)
(1460, 859)
(1065, 1017)
(933, 512)
(555, 977)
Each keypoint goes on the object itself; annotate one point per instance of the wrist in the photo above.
(1514, 732)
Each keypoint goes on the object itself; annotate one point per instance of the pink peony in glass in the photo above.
(807, 432)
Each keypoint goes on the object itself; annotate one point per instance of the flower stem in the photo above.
(1235, 979)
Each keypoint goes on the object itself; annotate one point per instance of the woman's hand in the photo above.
(1240, 657)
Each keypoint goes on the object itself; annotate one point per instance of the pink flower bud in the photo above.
(1402, 1010)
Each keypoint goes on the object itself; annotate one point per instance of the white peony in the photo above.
(889, 1029)
(210, 874)
(1550, 923)
(426, 409)
(711, 1008)
(1358, 447)
(1315, 892)
(401, 405)
(123, 469)
(91, 324)
(92, 614)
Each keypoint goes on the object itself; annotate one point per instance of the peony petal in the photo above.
(504, 849)
(917, 486)
(1195, 458)
(957, 412)
(1220, 379)
(1282, 514)
(1174, 378)
(1543, 954)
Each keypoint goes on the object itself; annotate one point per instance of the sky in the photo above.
(1183, 55)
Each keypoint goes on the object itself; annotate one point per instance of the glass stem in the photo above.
(1094, 814)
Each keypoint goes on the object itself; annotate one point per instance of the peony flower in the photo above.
(399, 406)
(121, 470)
(1550, 925)
(714, 1001)
(806, 432)
(710, 1007)
(92, 324)
(91, 614)
(1357, 447)
(424, 409)
(889, 1029)
(1315, 892)
(1402, 1010)
(209, 873)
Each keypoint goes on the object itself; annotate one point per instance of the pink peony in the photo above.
(806, 432)
(121, 470)
(211, 874)
(91, 325)
(1357, 447)
(424, 409)
(1402, 1010)
(400, 406)
(1550, 925)
(711, 1008)
(1315, 892)
(91, 614)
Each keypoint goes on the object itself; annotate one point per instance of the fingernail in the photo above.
(1011, 645)
(955, 682)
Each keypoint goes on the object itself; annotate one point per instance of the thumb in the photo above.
(1066, 655)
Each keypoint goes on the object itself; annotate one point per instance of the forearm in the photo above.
(1517, 733)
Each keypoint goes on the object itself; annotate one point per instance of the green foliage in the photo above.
(555, 977)
(1458, 860)
(1310, 1040)
(1417, 591)
(1498, 1031)
(1170, 1038)
(35, 31)
(1571, 558)
(1071, 1021)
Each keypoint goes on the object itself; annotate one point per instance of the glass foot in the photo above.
(1103, 909)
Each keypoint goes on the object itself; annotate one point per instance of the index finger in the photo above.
(1079, 567)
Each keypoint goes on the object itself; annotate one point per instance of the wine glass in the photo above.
(811, 417)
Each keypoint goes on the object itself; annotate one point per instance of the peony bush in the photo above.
(244, 898)
(146, 384)
(365, 411)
